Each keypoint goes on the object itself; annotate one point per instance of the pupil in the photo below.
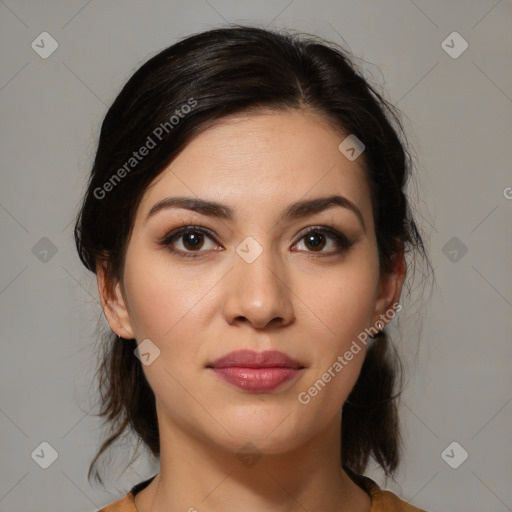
(192, 241)
(311, 240)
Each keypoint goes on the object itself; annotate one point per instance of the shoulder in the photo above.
(386, 501)
(127, 504)
(382, 500)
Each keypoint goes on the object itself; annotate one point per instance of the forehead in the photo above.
(265, 158)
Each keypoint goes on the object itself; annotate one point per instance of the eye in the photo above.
(317, 239)
(188, 240)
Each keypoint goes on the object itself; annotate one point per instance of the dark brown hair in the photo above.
(219, 73)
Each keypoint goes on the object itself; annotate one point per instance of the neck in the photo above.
(195, 475)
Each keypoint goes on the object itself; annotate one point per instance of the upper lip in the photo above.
(252, 359)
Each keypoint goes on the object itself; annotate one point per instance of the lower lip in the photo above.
(256, 380)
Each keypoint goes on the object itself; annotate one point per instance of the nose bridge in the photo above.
(258, 293)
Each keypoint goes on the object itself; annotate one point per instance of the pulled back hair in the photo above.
(219, 73)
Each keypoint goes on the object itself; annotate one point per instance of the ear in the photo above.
(390, 288)
(113, 303)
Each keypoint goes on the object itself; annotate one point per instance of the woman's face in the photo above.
(264, 264)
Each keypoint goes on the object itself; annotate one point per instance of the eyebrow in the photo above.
(296, 210)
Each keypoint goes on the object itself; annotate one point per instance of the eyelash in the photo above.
(344, 244)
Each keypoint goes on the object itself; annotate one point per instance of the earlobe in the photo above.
(390, 289)
(113, 303)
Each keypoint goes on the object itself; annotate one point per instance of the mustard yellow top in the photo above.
(381, 500)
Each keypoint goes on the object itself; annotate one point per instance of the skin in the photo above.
(310, 304)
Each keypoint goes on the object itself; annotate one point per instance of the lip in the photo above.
(256, 372)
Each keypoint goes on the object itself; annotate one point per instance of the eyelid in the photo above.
(319, 228)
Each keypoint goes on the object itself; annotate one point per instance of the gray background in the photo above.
(459, 120)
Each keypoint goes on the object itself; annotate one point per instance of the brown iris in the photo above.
(312, 241)
(193, 240)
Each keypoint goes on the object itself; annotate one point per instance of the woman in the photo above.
(247, 223)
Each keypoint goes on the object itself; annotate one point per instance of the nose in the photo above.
(258, 293)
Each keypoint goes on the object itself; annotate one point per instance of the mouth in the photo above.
(256, 372)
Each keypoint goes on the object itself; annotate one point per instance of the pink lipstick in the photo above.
(256, 372)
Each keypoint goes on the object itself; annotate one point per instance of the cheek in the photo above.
(338, 312)
(162, 299)
(339, 349)
(343, 302)
(165, 306)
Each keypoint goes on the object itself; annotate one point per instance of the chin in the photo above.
(266, 431)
